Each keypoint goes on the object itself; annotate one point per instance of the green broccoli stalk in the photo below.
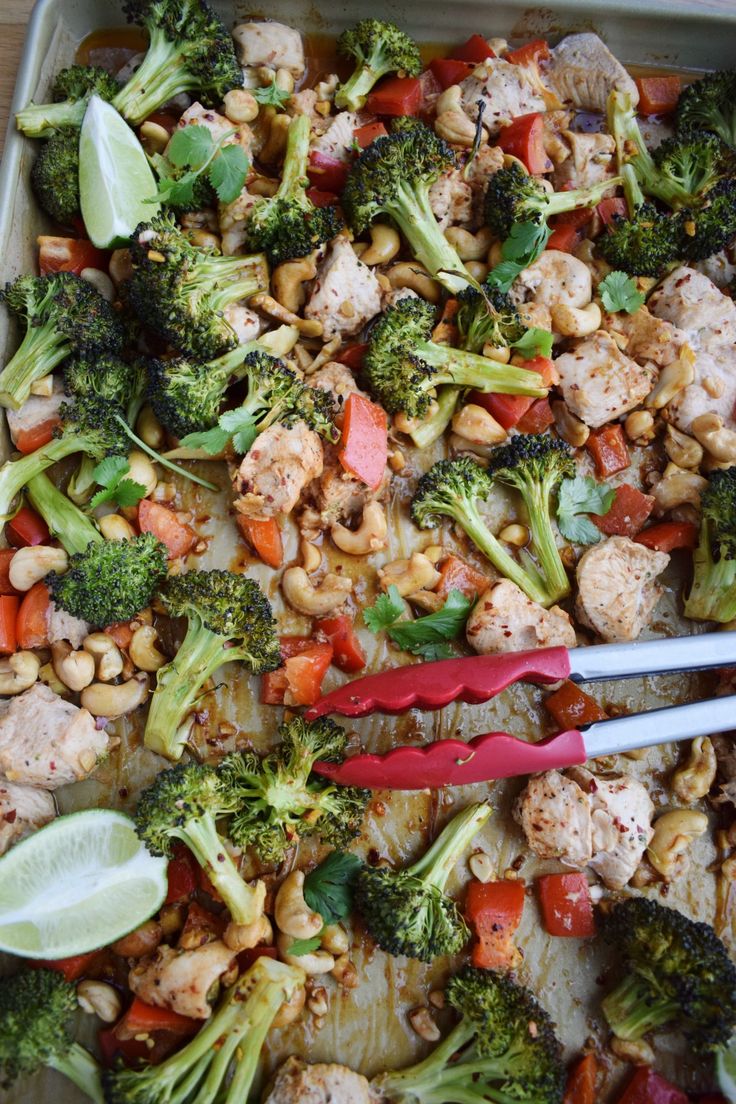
(229, 1042)
(185, 803)
(278, 798)
(487, 316)
(287, 224)
(55, 176)
(110, 581)
(712, 595)
(503, 1049)
(63, 314)
(181, 293)
(72, 91)
(430, 427)
(403, 365)
(678, 972)
(36, 1007)
(450, 488)
(407, 911)
(392, 177)
(514, 196)
(709, 104)
(229, 621)
(377, 47)
(536, 464)
(66, 522)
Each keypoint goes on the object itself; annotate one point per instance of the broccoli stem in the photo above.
(66, 521)
(559, 203)
(161, 75)
(712, 596)
(435, 865)
(464, 369)
(43, 120)
(294, 172)
(82, 483)
(15, 474)
(536, 498)
(424, 1081)
(354, 92)
(81, 1068)
(410, 207)
(631, 1012)
(42, 348)
(201, 837)
(431, 429)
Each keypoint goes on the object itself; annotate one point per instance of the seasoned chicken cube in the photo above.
(340, 496)
(507, 91)
(591, 160)
(451, 199)
(648, 338)
(181, 979)
(246, 324)
(713, 391)
(338, 139)
(555, 277)
(23, 809)
(280, 464)
(691, 301)
(621, 816)
(46, 741)
(337, 379)
(617, 593)
(719, 268)
(600, 383)
(296, 1082)
(346, 293)
(554, 813)
(505, 620)
(271, 44)
(65, 626)
(35, 411)
(583, 72)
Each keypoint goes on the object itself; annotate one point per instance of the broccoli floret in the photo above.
(407, 911)
(451, 488)
(712, 595)
(377, 47)
(287, 224)
(66, 522)
(678, 972)
(203, 195)
(710, 226)
(504, 1049)
(278, 798)
(709, 104)
(36, 1007)
(110, 378)
(55, 176)
(536, 464)
(229, 1042)
(392, 177)
(643, 244)
(515, 196)
(184, 803)
(229, 621)
(487, 317)
(180, 292)
(63, 314)
(110, 580)
(72, 90)
(403, 365)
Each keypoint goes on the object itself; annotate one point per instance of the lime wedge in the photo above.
(81, 882)
(726, 1070)
(115, 179)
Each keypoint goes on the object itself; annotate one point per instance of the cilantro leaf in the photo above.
(526, 241)
(434, 651)
(212, 440)
(535, 342)
(227, 173)
(305, 946)
(239, 424)
(110, 475)
(386, 609)
(194, 148)
(423, 635)
(619, 292)
(328, 889)
(271, 95)
(578, 497)
(190, 147)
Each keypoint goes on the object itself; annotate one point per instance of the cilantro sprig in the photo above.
(193, 154)
(111, 474)
(525, 243)
(234, 425)
(427, 636)
(578, 497)
(619, 292)
(270, 95)
(328, 889)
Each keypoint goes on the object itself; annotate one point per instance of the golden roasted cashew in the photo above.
(693, 780)
(408, 576)
(334, 938)
(108, 658)
(570, 428)
(288, 279)
(677, 487)
(469, 247)
(313, 963)
(308, 327)
(18, 672)
(102, 699)
(369, 537)
(674, 834)
(672, 380)
(29, 565)
(385, 244)
(240, 105)
(143, 651)
(315, 601)
(575, 321)
(276, 141)
(292, 914)
(477, 426)
(75, 669)
(682, 449)
(241, 937)
(292, 1009)
(149, 428)
(99, 999)
(639, 426)
(100, 281)
(716, 439)
(412, 275)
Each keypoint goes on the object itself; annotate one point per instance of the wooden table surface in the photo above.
(13, 19)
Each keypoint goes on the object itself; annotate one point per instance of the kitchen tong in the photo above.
(494, 755)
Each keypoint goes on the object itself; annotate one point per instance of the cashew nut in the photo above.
(674, 833)
(315, 601)
(478, 270)
(344, 972)
(693, 780)
(677, 487)
(149, 428)
(718, 441)
(107, 656)
(449, 100)
(412, 275)
(408, 576)
(276, 143)
(482, 866)
(639, 426)
(99, 999)
(575, 321)
(43, 387)
(385, 244)
(636, 1051)
(115, 527)
(153, 137)
(334, 939)
(423, 1023)
(370, 535)
(452, 123)
(292, 1009)
(477, 426)
(75, 669)
(29, 565)
(308, 327)
(288, 279)
(515, 534)
(292, 914)
(204, 239)
(104, 700)
(142, 941)
(120, 266)
(570, 428)
(311, 556)
(100, 281)
(674, 378)
(48, 675)
(469, 247)
(143, 650)
(240, 105)
(500, 353)
(141, 470)
(316, 962)
(281, 341)
(18, 672)
(681, 449)
(241, 937)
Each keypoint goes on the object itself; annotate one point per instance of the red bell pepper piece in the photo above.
(299, 681)
(143, 1019)
(6, 587)
(165, 525)
(610, 209)
(28, 440)
(648, 1087)
(68, 255)
(581, 1081)
(537, 418)
(363, 449)
(449, 71)
(566, 229)
(608, 450)
(264, 537)
(508, 410)
(322, 199)
(352, 356)
(368, 133)
(181, 874)
(73, 968)
(121, 632)
(669, 535)
(475, 50)
(494, 912)
(347, 653)
(9, 604)
(658, 95)
(456, 574)
(32, 624)
(27, 529)
(247, 957)
(532, 53)
(326, 172)
(130, 1051)
(524, 138)
(571, 707)
(567, 909)
(396, 96)
(628, 514)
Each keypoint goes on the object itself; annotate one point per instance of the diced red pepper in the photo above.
(143, 1019)
(73, 968)
(322, 199)
(628, 514)
(567, 228)
(299, 681)
(494, 912)
(608, 450)
(537, 418)
(68, 255)
(658, 95)
(508, 410)
(347, 653)
(121, 632)
(571, 707)
(396, 96)
(264, 537)
(112, 1049)
(252, 954)
(363, 449)
(610, 209)
(201, 925)
(6, 587)
(524, 138)
(476, 49)
(648, 1087)
(28, 440)
(165, 525)
(352, 356)
(368, 133)
(567, 909)
(535, 51)
(26, 529)
(456, 574)
(546, 368)
(326, 172)
(449, 71)
(32, 624)
(666, 536)
(9, 604)
(181, 874)
(581, 1081)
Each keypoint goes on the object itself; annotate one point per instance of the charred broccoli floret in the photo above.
(678, 972)
(403, 364)
(514, 196)
(36, 1007)
(644, 243)
(66, 522)
(55, 176)
(504, 1048)
(487, 317)
(709, 104)
(279, 799)
(63, 314)
(377, 47)
(392, 177)
(287, 224)
(407, 911)
(710, 226)
(110, 378)
(181, 292)
(72, 90)
(712, 595)
(186, 395)
(229, 621)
